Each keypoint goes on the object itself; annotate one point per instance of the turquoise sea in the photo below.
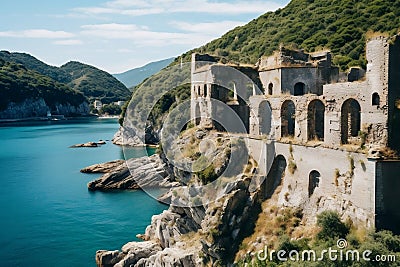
(48, 217)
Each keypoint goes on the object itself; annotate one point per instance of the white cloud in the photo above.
(37, 33)
(142, 36)
(68, 42)
(140, 7)
(212, 28)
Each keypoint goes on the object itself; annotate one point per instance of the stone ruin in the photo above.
(330, 135)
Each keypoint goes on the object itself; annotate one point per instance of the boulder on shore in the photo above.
(103, 167)
(149, 172)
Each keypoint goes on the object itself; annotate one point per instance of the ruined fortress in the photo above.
(327, 137)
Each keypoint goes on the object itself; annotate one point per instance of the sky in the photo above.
(118, 35)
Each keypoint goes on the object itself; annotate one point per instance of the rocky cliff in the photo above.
(206, 220)
(37, 107)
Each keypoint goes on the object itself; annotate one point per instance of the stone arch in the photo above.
(275, 175)
(205, 90)
(264, 116)
(270, 88)
(350, 120)
(315, 120)
(313, 181)
(287, 118)
(299, 89)
(197, 114)
(376, 99)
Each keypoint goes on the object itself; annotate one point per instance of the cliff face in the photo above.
(207, 219)
(31, 107)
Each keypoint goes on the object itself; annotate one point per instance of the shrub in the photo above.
(332, 226)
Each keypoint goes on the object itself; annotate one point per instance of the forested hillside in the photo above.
(95, 83)
(17, 84)
(339, 25)
(92, 82)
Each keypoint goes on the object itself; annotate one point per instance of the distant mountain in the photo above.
(135, 76)
(95, 83)
(26, 93)
(92, 82)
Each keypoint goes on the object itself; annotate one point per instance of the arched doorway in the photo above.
(313, 181)
(264, 116)
(350, 120)
(315, 120)
(287, 118)
(299, 89)
(275, 175)
(197, 115)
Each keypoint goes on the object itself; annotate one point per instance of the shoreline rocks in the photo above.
(103, 167)
(89, 144)
(137, 173)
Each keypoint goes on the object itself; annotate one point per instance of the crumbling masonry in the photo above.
(328, 132)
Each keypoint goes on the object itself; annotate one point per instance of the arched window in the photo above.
(205, 90)
(270, 87)
(264, 116)
(376, 99)
(197, 115)
(299, 89)
(315, 120)
(287, 118)
(350, 120)
(198, 91)
(313, 181)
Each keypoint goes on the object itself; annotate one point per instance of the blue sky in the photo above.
(117, 35)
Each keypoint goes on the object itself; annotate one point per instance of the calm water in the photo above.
(48, 217)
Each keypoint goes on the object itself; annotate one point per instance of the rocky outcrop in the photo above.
(203, 232)
(89, 144)
(103, 167)
(130, 136)
(37, 107)
(192, 236)
(145, 172)
(28, 108)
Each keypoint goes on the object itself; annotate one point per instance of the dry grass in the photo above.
(389, 153)
(371, 34)
(272, 223)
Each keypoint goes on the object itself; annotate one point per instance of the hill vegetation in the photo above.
(95, 83)
(18, 83)
(92, 82)
(338, 25)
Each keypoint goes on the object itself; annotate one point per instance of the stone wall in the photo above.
(346, 180)
(387, 193)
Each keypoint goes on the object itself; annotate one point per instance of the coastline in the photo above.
(45, 119)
